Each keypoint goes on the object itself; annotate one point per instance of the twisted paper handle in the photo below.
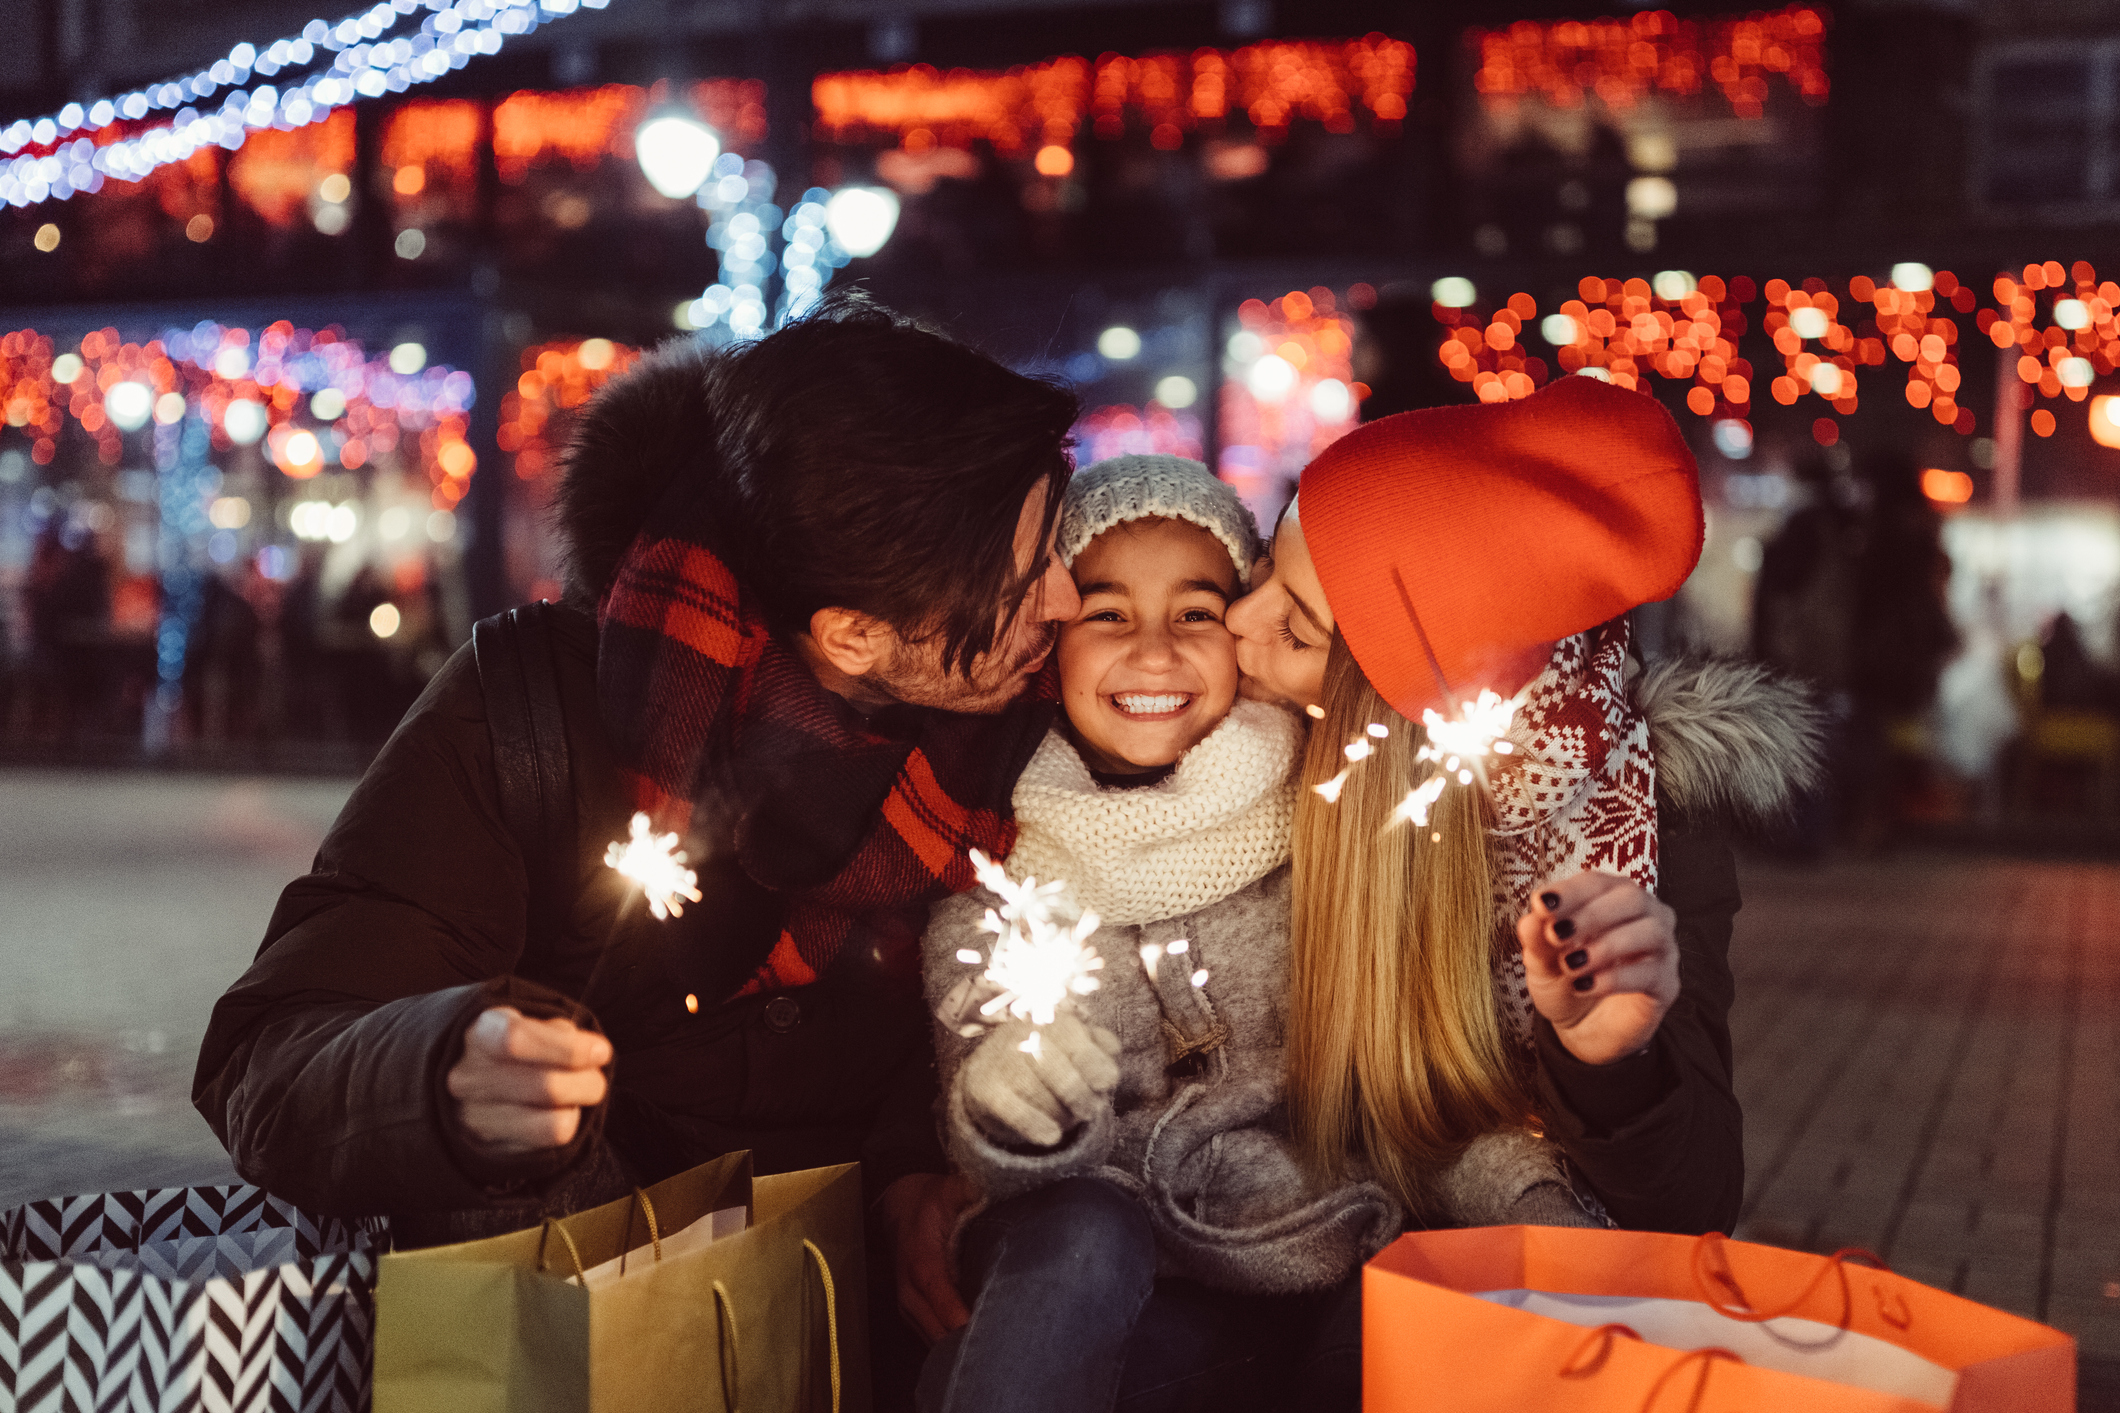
(1706, 1278)
(553, 1224)
(831, 1314)
(654, 1230)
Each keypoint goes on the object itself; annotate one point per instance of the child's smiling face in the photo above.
(1148, 670)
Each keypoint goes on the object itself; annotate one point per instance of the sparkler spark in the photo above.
(1038, 959)
(1476, 732)
(655, 863)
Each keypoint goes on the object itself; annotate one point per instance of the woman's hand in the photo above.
(1019, 1097)
(1601, 957)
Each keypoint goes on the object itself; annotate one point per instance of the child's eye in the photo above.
(1198, 615)
(1102, 615)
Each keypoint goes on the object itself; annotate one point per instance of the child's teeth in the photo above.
(1150, 706)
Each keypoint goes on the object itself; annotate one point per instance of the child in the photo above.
(1146, 1141)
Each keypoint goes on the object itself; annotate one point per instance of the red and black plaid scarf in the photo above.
(859, 823)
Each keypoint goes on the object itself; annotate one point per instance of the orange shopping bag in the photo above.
(1511, 1318)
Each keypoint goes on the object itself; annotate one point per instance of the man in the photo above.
(812, 595)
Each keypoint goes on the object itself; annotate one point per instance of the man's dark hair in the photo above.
(851, 460)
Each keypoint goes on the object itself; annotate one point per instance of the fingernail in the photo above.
(1584, 983)
(1549, 901)
(1576, 958)
(1564, 929)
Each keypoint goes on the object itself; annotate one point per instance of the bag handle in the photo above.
(1597, 1346)
(725, 1320)
(654, 1231)
(1714, 1244)
(725, 1325)
(553, 1224)
(831, 1314)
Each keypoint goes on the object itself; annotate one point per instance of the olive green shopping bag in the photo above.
(770, 1319)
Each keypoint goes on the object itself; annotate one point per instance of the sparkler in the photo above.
(654, 862)
(1038, 960)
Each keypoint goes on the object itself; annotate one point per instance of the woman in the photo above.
(1543, 949)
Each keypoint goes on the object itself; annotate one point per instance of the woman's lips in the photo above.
(1150, 706)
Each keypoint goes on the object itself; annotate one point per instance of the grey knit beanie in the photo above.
(1123, 488)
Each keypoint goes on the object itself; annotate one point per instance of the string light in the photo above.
(1623, 61)
(1036, 111)
(380, 50)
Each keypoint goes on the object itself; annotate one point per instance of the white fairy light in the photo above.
(325, 67)
(1038, 960)
(655, 863)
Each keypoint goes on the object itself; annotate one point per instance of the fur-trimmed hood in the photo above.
(1733, 740)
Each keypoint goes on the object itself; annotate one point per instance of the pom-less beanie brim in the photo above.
(1141, 487)
(1467, 540)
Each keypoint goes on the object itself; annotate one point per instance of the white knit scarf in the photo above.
(1217, 823)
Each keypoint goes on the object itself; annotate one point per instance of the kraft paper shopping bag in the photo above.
(769, 1319)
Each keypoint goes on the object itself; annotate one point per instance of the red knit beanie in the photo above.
(1503, 527)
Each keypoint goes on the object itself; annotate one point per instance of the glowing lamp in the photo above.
(1272, 378)
(244, 421)
(1453, 292)
(861, 218)
(676, 153)
(1177, 391)
(129, 405)
(1946, 487)
(2105, 421)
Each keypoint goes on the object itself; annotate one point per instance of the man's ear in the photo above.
(853, 643)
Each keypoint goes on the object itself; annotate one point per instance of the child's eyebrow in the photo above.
(1202, 586)
(1099, 586)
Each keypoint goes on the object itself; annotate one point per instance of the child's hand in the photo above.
(1023, 1098)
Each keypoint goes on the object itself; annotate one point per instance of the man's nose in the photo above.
(1057, 599)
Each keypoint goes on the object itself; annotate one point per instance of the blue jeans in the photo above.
(1068, 1316)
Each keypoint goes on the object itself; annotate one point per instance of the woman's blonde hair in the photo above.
(1395, 1047)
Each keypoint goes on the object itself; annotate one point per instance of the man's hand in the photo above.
(1601, 957)
(522, 1084)
(919, 1211)
(1019, 1097)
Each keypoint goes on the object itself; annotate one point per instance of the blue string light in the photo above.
(325, 67)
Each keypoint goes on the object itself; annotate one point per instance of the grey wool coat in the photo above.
(1197, 1130)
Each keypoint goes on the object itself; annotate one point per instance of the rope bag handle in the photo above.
(574, 1253)
(1589, 1357)
(725, 1319)
(1713, 1245)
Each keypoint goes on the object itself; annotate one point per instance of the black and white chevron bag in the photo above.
(185, 1300)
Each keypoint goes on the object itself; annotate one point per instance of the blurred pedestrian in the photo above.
(1902, 634)
(1803, 623)
(68, 594)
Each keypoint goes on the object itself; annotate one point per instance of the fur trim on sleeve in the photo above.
(1732, 739)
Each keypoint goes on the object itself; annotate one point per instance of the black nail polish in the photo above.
(1564, 929)
(1577, 958)
(1584, 983)
(1549, 901)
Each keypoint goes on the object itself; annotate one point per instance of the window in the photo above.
(2046, 140)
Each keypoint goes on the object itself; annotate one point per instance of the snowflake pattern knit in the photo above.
(1579, 793)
